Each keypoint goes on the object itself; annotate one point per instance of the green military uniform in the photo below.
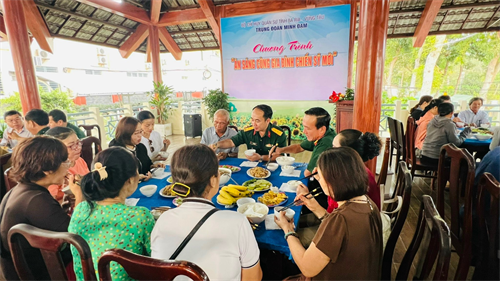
(79, 133)
(318, 146)
(43, 131)
(262, 145)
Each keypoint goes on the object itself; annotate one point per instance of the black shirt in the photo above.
(417, 113)
(141, 153)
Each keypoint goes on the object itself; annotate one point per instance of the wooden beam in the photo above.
(429, 14)
(181, 17)
(263, 7)
(311, 4)
(155, 11)
(169, 43)
(134, 41)
(155, 53)
(37, 27)
(148, 50)
(123, 9)
(208, 8)
(3, 31)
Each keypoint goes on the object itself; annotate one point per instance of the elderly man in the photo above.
(36, 123)
(473, 116)
(220, 132)
(15, 124)
(261, 136)
(57, 118)
(319, 135)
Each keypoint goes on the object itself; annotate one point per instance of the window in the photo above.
(93, 72)
(51, 69)
(137, 74)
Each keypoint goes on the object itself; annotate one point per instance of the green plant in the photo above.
(55, 99)
(215, 100)
(3, 127)
(161, 98)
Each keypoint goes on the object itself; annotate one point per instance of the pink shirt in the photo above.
(80, 168)
(422, 129)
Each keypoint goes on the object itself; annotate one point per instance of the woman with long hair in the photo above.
(417, 111)
(427, 115)
(151, 139)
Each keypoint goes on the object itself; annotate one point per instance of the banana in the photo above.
(235, 192)
(224, 201)
(239, 187)
(226, 195)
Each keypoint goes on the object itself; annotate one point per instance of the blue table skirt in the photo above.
(477, 142)
(267, 239)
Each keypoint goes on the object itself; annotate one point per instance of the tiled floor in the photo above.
(420, 187)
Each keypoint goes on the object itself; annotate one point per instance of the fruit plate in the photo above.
(166, 196)
(258, 183)
(234, 169)
(177, 201)
(226, 206)
(170, 180)
(264, 177)
(281, 203)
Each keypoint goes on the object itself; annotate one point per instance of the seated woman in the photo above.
(348, 244)
(151, 139)
(367, 145)
(37, 163)
(103, 220)
(440, 131)
(495, 141)
(418, 110)
(74, 146)
(474, 116)
(224, 246)
(430, 111)
(128, 134)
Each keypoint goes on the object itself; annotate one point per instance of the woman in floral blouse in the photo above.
(104, 220)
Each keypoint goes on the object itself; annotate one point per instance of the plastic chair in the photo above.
(413, 162)
(50, 244)
(429, 222)
(88, 129)
(90, 147)
(403, 196)
(487, 266)
(287, 130)
(146, 268)
(458, 167)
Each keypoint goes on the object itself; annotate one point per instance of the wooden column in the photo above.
(352, 38)
(19, 42)
(155, 53)
(372, 35)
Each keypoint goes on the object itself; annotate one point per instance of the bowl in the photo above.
(485, 126)
(460, 124)
(243, 201)
(258, 208)
(289, 213)
(483, 137)
(159, 172)
(285, 160)
(293, 184)
(225, 175)
(156, 212)
(164, 154)
(287, 170)
(250, 152)
(272, 167)
(148, 190)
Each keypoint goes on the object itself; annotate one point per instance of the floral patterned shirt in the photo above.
(109, 227)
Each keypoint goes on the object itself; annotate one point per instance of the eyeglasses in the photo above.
(151, 147)
(77, 145)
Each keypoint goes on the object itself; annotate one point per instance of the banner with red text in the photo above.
(296, 55)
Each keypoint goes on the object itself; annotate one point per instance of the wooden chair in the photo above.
(403, 190)
(429, 222)
(458, 167)
(4, 164)
(50, 244)
(233, 127)
(9, 183)
(394, 136)
(88, 129)
(146, 268)
(413, 162)
(401, 149)
(288, 131)
(90, 147)
(487, 259)
(382, 176)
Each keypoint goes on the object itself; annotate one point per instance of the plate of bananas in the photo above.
(228, 195)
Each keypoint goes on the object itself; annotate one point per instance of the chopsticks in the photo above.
(311, 175)
(270, 154)
(294, 203)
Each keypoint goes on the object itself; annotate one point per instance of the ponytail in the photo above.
(423, 99)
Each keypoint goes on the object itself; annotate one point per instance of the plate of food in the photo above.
(259, 173)
(167, 192)
(177, 201)
(272, 199)
(233, 169)
(481, 130)
(170, 180)
(257, 185)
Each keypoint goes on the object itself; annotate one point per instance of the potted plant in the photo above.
(215, 100)
(344, 109)
(161, 98)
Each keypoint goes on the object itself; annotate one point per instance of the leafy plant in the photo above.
(215, 100)
(161, 98)
(3, 127)
(55, 99)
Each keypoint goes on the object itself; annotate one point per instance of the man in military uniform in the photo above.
(261, 136)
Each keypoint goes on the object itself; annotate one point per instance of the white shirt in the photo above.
(468, 117)
(496, 137)
(223, 245)
(209, 136)
(10, 142)
(155, 141)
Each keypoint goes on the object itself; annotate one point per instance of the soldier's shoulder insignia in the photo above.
(248, 129)
(277, 131)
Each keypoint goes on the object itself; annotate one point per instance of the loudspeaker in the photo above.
(192, 125)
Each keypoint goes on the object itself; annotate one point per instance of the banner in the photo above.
(296, 55)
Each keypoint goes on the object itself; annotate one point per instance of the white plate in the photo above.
(175, 203)
(226, 206)
(268, 174)
(170, 180)
(166, 196)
